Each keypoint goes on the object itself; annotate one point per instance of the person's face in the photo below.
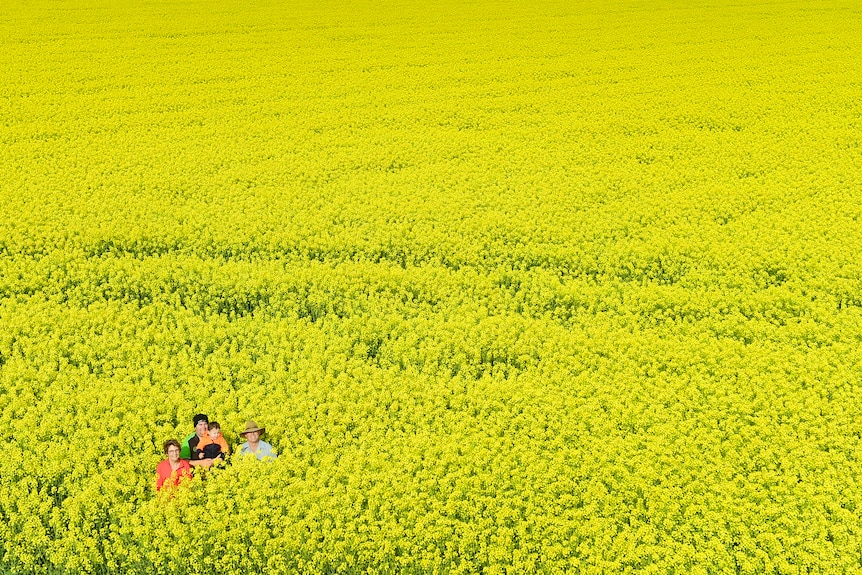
(201, 428)
(173, 453)
(253, 436)
(214, 433)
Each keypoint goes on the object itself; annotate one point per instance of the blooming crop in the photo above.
(515, 287)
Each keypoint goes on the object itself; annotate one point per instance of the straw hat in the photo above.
(251, 426)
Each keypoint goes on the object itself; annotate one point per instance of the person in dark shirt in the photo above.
(190, 450)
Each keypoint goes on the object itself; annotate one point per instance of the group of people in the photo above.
(205, 447)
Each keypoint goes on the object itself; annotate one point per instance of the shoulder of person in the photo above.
(185, 449)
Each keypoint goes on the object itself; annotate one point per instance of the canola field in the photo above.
(515, 287)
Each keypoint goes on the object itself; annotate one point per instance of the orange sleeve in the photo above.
(223, 444)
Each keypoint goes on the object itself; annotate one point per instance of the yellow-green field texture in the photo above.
(515, 287)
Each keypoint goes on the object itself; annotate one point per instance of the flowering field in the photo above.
(515, 287)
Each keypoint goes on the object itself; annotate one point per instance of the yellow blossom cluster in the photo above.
(515, 287)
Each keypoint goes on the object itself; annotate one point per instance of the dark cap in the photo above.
(200, 417)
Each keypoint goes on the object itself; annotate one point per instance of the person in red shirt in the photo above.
(173, 470)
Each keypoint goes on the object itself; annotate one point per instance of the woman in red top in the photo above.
(172, 470)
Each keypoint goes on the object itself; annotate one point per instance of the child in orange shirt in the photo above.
(213, 445)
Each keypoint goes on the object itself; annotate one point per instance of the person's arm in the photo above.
(185, 450)
(160, 478)
(266, 450)
(195, 454)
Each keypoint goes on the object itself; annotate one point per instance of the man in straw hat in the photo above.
(253, 445)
